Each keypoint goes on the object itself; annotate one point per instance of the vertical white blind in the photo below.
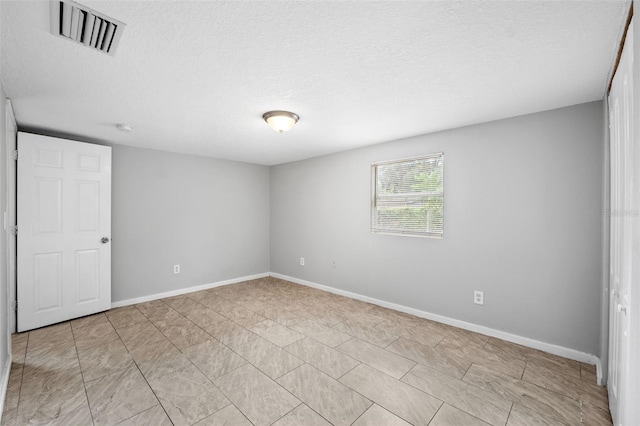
(408, 196)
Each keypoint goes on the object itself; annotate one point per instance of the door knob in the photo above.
(104, 240)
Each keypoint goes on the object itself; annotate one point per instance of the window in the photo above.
(408, 196)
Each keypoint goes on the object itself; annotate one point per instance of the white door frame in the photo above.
(10, 216)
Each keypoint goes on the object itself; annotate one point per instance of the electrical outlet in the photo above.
(176, 269)
(478, 297)
(302, 261)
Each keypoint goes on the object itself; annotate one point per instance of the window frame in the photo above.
(374, 198)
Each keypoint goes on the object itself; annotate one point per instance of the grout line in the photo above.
(510, 410)
(84, 384)
(288, 412)
(350, 370)
(436, 413)
(24, 364)
(152, 390)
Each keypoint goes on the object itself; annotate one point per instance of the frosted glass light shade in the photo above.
(280, 121)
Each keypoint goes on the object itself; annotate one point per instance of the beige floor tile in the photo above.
(323, 357)
(567, 385)
(240, 315)
(497, 360)
(542, 401)
(469, 338)
(154, 416)
(451, 416)
(381, 359)
(477, 353)
(378, 416)
(522, 416)
(19, 346)
(204, 317)
(321, 332)
(107, 358)
(275, 333)
(140, 335)
(119, 396)
(420, 335)
(213, 358)
(302, 415)
(94, 333)
(40, 383)
(182, 304)
(154, 309)
(453, 364)
(509, 348)
(259, 398)
(331, 399)
(214, 302)
(188, 396)
(268, 357)
(360, 315)
(596, 396)
(254, 304)
(125, 317)
(185, 335)
(228, 416)
(369, 334)
(57, 336)
(282, 316)
(397, 317)
(588, 374)
(88, 321)
(67, 406)
(54, 359)
(159, 358)
(555, 363)
(9, 416)
(478, 378)
(162, 319)
(13, 387)
(231, 334)
(480, 403)
(316, 311)
(198, 296)
(407, 402)
(595, 416)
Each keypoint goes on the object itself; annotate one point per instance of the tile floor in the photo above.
(269, 352)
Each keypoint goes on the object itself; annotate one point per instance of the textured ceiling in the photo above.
(196, 76)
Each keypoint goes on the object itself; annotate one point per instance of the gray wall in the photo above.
(523, 223)
(210, 216)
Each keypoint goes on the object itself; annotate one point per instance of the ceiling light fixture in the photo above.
(280, 121)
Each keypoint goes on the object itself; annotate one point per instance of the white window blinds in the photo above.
(408, 196)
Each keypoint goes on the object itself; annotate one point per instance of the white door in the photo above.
(621, 137)
(64, 227)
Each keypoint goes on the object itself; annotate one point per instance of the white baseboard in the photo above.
(599, 373)
(5, 383)
(524, 341)
(178, 292)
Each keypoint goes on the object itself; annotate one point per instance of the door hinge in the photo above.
(13, 229)
(15, 154)
(15, 305)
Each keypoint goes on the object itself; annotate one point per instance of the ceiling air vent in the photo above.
(81, 24)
